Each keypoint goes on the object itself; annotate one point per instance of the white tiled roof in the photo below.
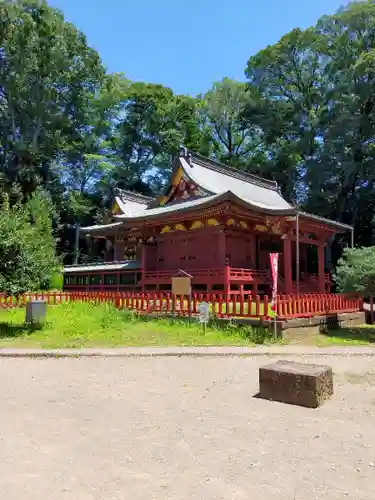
(103, 266)
(257, 192)
(173, 207)
(99, 227)
(131, 203)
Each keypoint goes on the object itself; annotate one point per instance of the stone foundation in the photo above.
(305, 329)
(296, 383)
(301, 330)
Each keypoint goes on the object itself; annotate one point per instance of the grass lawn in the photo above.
(83, 324)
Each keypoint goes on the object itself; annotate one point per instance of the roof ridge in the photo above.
(133, 196)
(232, 172)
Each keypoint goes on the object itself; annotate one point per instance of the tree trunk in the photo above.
(76, 244)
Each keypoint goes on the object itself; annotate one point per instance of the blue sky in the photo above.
(187, 44)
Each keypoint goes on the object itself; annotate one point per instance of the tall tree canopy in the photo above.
(47, 72)
(316, 111)
(153, 124)
(232, 140)
(304, 117)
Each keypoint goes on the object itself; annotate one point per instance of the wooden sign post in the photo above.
(181, 286)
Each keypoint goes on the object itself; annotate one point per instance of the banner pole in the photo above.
(275, 320)
(274, 260)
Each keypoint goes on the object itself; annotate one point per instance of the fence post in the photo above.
(117, 301)
(241, 304)
(265, 307)
(257, 306)
(173, 304)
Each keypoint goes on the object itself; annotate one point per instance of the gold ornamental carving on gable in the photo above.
(116, 210)
(270, 226)
(237, 223)
(197, 224)
(211, 221)
(174, 184)
(181, 188)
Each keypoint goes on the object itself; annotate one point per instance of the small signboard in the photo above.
(204, 312)
(181, 285)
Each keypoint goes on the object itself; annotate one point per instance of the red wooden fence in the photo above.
(288, 306)
(307, 305)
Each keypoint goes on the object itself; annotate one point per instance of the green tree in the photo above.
(345, 175)
(27, 246)
(233, 140)
(316, 114)
(47, 73)
(153, 123)
(356, 271)
(286, 78)
(86, 162)
(86, 159)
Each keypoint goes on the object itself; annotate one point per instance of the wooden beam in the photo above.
(321, 274)
(287, 254)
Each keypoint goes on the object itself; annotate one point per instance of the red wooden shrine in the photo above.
(216, 223)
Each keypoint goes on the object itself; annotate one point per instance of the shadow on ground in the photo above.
(17, 330)
(366, 334)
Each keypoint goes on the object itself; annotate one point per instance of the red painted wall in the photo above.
(241, 249)
(119, 250)
(203, 249)
(180, 250)
(150, 256)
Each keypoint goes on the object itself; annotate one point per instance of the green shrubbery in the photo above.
(27, 246)
(356, 271)
(56, 281)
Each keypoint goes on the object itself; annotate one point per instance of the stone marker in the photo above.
(36, 311)
(296, 383)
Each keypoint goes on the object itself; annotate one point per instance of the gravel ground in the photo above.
(180, 428)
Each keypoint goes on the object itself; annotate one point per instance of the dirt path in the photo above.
(180, 428)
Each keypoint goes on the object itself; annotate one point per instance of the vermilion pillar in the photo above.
(222, 247)
(143, 264)
(253, 252)
(223, 260)
(287, 253)
(303, 251)
(321, 274)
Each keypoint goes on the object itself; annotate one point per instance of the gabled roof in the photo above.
(130, 203)
(192, 204)
(219, 183)
(216, 183)
(197, 159)
(261, 194)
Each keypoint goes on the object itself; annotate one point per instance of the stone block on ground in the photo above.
(36, 311)
(296, 383)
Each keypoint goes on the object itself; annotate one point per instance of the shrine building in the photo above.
(215, 223)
